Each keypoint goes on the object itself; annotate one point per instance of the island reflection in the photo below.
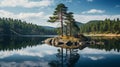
(33, 52)
(67, 56)
(65, 59)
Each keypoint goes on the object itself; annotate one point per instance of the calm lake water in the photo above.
(30, 52)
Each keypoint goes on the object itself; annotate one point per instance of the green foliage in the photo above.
(61, 15)
(8, 26)
(58, 15)
(70, 22)
(106, 26)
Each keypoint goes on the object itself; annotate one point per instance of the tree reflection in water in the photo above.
(16, 43)
(67, 55)
(65, 59)
(70, 57)
(110, 43)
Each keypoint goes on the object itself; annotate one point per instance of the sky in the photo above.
(39, 11)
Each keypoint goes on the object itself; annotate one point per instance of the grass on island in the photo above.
(69, 38)
(101, 34)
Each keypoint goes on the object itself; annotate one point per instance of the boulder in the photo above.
(48, 41)
(69, 43)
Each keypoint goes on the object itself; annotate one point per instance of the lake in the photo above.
(30, 52)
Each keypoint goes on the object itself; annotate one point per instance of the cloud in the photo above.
(31, 15)
(86, 18)
(93, 11)
(39, 18)
(69, 0)
(90, 0)
(23, 16)
(117, 6)
(25, 3)
(7, 14)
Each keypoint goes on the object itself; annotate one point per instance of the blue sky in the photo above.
(38, 11)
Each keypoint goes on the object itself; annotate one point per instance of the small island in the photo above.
(69, 36)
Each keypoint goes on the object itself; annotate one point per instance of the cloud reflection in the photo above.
(88, 50)
(24, 64)
(40, 51)
(94, 57)
(43, 52)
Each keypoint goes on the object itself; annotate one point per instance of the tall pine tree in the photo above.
(58, 15)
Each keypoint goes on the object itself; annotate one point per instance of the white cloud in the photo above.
(86, 18)
(69, 0)
(93, 11)
(90, 0)
(25, 3)
(117, 6)
(7, 14)
(23, 16)
(31, 15)
(39, 18)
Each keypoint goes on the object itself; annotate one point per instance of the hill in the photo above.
(79, 23)
(10, 26)
(48, 27)
(99, 26)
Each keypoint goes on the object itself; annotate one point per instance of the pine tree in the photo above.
(58, 15)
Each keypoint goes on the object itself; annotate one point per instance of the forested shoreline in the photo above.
(9, 26)
(106, 26)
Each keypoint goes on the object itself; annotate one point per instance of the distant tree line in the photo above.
(9, 25)
(97, 26)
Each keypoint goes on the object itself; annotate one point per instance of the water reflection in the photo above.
(70, 56)
(66, 56)
(29, 52)
(36, 56)
(67, 59)
(11, 43)
(110, 43)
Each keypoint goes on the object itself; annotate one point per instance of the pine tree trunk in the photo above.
(61, 23)
(61, 27)
(66, 30)
(70, 30)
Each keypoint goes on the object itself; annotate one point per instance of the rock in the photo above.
(53, 41)
(81, 37)
(99, 43)
(60, 43)
(48, 41)
(92, 42)
(69, 43)
(76, 43)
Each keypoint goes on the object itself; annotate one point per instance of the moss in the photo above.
(69, 38)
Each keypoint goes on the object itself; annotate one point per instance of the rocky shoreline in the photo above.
(70, 42)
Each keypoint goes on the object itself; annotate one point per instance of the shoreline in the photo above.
(106, 35)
